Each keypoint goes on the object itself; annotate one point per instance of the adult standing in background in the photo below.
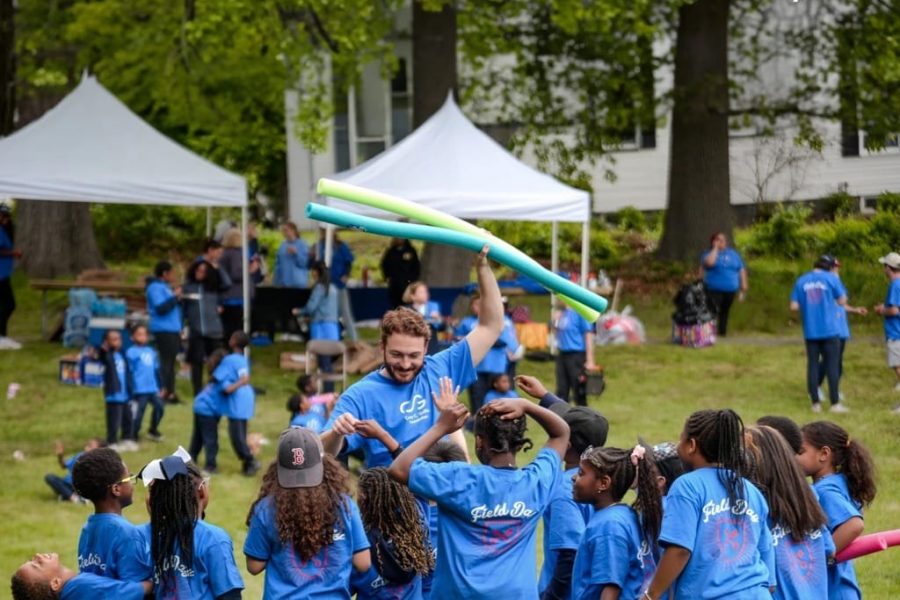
(819, 295)
(200, 298)
(890, 311)
(575, 339)
(341, 265)
(843, 327)
(399, 267)
(322, 309)
(725, 277)
(165, 324)
(7, 255)
(292, 259)
(232, 266)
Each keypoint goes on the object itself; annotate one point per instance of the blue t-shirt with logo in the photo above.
(817, 293)
(212, 574)
(405, 410)
(159, 298)
(839, 507)
(731, 546)
(241, 403)
(801, 567)
(87, 586)
(725, 274)
(496, 360)
(371, 586)
(313, 419)
(143, 364)
(325, 575)
(570, 330)
(6, 262)
(111, 546)
(121, 396)
(612, 553)
(494, 395)
(487, 522)
(210, 402)
(892, 324)
(564, 524)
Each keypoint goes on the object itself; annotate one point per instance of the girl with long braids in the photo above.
(616, 557)
(305, 530)
(488, 514)
(715, 538)
(401, 552)
(803, 546)
(192, 560)
(844, 479)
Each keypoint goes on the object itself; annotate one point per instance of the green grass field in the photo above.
(651, 389)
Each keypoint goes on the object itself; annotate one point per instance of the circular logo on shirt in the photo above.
(732, 537)
(498, 535)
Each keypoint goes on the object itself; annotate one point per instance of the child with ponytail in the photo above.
(398, 538)
(192, 560)
(803, 547)
(714, 533)
(616, 556)
(844, 479)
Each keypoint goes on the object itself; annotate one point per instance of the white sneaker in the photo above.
(838, 408)
(125, 446)
(7, 343)
(817, 407)
(821, 393)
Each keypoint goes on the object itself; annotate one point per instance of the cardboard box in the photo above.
(296, 361)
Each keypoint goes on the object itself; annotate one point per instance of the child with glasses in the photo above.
(109, 545)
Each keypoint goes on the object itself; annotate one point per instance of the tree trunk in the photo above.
(56, 238)
(7, 66)
(434, 74)
(699, 191)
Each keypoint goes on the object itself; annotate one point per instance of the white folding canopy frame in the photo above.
(91, 148)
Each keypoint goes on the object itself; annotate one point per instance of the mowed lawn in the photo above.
(651, 389)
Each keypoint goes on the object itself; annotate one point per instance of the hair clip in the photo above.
(637, 454)
(166, 468)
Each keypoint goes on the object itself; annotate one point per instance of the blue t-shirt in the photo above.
(70, 464)
(292, 270)
(241, 403)
(210, 402)
(122, 396)
(143, 364)
(326, 575)
(111, 546)
(612, 552)
(87, 586)
(6, 262)
(731, 546)
(313, 419)
(724, 275)
(570, 330)
(370, 586)
(165, 316)
(212, 573)
(839, 507)
(817, 293)
(496, 360)
(405, 410)
(892, 324)
(488, 517)
(801, 568)
(564, 524)
(493, 394)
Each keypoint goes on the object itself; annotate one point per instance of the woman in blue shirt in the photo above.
(725, 277)
(322, 309)
(488, 514)
(163, 305)
(291, 259)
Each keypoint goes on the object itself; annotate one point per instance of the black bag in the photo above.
(693, 305)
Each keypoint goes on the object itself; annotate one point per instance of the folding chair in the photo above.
(328, 348)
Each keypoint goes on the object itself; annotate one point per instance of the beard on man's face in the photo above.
(402, 375)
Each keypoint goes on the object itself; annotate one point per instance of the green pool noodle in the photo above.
(427, 233)
(430, 216)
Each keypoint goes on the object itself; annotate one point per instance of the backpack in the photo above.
(692, 305)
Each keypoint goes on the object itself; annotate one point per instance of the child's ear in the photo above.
(824, 454)
(604, 482)
(56, 584)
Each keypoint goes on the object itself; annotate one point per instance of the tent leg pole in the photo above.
(328, 248)
(208, 222)
(585, 251)
(554, 254)
(245, 268)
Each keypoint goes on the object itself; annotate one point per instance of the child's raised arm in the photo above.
(557, 429)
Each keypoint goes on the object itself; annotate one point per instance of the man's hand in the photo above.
(506, 408)
(370, 428)
(531, 386)
(453, 417)
(481, 260)
(449, 394)
(345, 424)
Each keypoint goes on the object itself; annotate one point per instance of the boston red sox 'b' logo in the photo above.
(299, 459)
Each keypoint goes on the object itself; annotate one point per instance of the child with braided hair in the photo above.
(192, 560)
(803, 546)
(715, 535)
(305, 530)
(617, 553)
(488, 514)
(401, 553)
(844, 479)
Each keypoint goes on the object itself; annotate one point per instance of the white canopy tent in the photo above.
(450, 165)
(91, 148)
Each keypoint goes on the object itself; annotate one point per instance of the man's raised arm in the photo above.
(490, 319)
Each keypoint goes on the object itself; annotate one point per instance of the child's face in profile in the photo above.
(125, 488)
(42, 568)
(113, 340)
(501, 384)
(584, 484)
(140, 336)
